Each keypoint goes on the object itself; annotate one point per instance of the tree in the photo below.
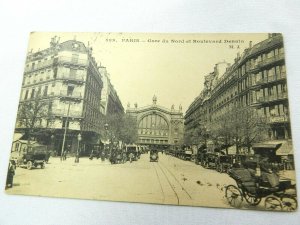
(129, 129)
(31, 115)
(198, 134)
(247, 126)
(120, 127)
(221, 132)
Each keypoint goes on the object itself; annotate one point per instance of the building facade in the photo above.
(158, 125)
(66, 79)
(257, 78)
(110, 101)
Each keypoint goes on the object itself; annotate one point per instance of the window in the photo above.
(50, 106)
(70, 90)
(46, 91)
(74, 58)
(65, 123)
(26, 95)
(55, 73)
(39, 91)
(32, 93)
(73, 73)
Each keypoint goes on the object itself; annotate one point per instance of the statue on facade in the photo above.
(128, 105)
(180, 108)
(54, 41)
(135, 105)
(154, 99)
(172, 107)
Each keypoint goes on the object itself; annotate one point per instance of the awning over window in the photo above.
(286, 148)
(17, 136)
(266, 145)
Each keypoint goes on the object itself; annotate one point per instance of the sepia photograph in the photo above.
(195, 119)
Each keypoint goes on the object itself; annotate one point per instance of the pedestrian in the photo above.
(10, 174)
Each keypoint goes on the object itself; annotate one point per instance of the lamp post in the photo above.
(65, 132)
(107, 131)
(77, 154)
(69, 94)
(52, 143)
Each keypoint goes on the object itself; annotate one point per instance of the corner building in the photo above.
(67, 78)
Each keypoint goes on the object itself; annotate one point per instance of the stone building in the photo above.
(65, 77)
(257, 78)
(110, 101)
(158, 125)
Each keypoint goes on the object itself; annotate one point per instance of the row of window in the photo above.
(156, 141)
(275, 73)
(35, 92)
(153, 132)
(250, 64)
(39, 63)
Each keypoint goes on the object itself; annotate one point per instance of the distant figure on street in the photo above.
(10, 174)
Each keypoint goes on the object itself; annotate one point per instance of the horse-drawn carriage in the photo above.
(279, 194)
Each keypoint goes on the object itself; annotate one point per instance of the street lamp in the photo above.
(77, 154)
(69, 93)
(52, 143)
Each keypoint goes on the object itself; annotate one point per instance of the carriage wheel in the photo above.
(29, 165)
(273, 203)
(252, 199)
(234, 196)
(289, 203)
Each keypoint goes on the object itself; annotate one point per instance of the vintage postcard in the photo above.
(179, 119)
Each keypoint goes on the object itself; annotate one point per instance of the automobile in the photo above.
(153, 155)
(209, 160)
(188, 154)
(94, 153)
(131, 152)
(223, 163)
(31, 156)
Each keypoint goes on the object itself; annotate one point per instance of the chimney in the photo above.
(250, 44)
(238, 55)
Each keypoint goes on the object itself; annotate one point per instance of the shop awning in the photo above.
(286, 148)
(17, 136)
(266, 145)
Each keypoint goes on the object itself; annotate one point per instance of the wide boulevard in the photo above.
(168, 181)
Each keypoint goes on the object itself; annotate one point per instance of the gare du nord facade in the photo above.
(256, 79)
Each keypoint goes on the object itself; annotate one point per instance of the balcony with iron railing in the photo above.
(272, 59)
(63, 113)
(65, 95)
(266, 61)
(68, 78)
(72, 61)
(269, 79)
(278, 119)
(270, 98)
(39, 66)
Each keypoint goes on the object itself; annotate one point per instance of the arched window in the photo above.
(154, 124)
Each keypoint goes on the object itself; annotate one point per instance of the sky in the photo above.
(170, 66)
